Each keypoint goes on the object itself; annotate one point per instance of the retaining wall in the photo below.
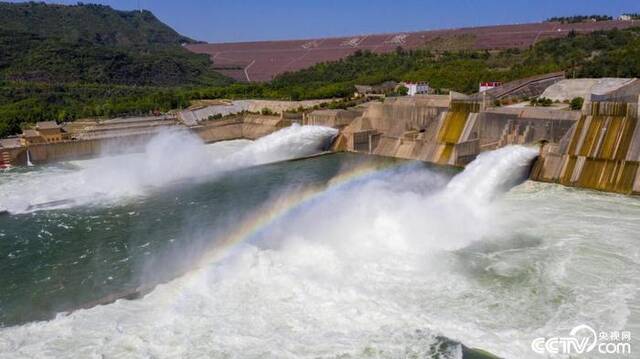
(70, 150)
(248, 127)
(601, 151)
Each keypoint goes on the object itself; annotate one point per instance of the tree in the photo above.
(401, 91)
(576, 103)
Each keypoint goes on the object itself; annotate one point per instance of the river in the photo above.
(236, 253)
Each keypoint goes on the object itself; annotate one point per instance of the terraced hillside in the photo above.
(261, 61)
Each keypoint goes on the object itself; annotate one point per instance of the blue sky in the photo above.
(247, 20)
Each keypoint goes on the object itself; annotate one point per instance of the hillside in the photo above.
(97, 24)
(265, 60)
(69, 79)
(614, 53)
(95, 44)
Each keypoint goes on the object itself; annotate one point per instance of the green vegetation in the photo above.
(579, 18)
(30, 57)
(541, 101)
(400, 91)
(97, 24)
(95, 44)
(614, 53)
(67, 62)
(576, 103)
(28, 102)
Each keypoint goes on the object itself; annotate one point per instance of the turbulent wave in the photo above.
(169, 157)
(492, 173)
(369, 269)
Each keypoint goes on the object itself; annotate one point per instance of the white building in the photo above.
(416, 88)
(484, 86)
(624, 17)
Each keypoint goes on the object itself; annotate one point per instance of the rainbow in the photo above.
(283, 206)
(280, 208)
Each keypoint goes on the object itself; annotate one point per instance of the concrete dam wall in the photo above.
(597, 147)
(449, 131)
(399, 127)
(241, 127)
(248, 127)
(601, 151)
(70, 150)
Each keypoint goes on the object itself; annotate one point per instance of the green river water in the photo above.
(380, 262)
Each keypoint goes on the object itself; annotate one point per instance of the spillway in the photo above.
(341, 255)
(170, 157)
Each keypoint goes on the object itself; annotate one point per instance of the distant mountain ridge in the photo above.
(88, 22)
(95, 44)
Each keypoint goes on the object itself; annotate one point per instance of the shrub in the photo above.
(401, 91)
(541, 101)
(576, 103)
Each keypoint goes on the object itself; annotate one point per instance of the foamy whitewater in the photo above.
(169, 157)
(378, 268)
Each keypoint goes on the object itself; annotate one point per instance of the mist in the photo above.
(170, 157)
(363, 267)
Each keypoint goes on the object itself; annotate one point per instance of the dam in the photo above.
(91, 138)
(595, 147)
(341, 254)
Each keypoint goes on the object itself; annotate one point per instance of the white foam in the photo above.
(169, 157)
(367, 270)
(493, 172)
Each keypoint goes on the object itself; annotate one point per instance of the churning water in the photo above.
(333, 256)
(169, 157)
